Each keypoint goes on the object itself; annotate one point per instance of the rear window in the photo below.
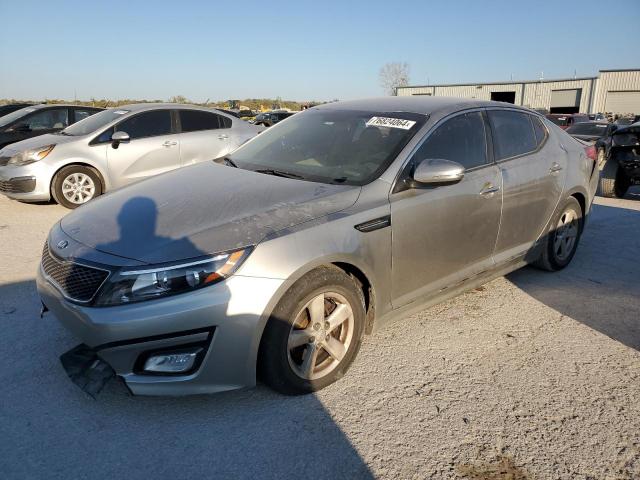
(197, 120)
(587, 129)
(513, 133)
(560, 121)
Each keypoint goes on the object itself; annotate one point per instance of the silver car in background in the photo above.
(116, 147)
(316, 232)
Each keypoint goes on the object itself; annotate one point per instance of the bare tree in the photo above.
(392, 75)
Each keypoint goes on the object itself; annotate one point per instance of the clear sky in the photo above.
(300, 50)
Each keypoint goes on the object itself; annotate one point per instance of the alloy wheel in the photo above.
(566, 234)
(78, 188)
(320, 336)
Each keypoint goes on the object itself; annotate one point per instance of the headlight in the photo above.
(145, 284)
(29, 156)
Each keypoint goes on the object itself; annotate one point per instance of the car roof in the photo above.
(137, 107)
(425, 105)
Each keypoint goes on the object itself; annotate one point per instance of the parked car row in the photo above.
(276, 259)
(108, 149)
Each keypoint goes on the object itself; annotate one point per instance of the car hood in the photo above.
(37, 142)
(199, 210)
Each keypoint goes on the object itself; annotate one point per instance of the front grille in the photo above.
(76, 282)
(18, 185)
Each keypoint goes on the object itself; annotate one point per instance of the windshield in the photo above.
(93, 123)
(13, 116)
(330, 146)
(595, 129)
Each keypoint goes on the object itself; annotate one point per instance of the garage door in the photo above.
(623, 102)
(566, 98)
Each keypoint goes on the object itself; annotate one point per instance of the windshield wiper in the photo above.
(229, 162)
(279, 173)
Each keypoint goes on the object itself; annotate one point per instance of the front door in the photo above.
(445, 234)
(533, 175)
(153, 148)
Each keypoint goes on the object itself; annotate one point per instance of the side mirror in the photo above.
(437, 171)
(119, 137)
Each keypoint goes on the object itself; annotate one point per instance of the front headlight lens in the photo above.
(30, 156)
(146, 284)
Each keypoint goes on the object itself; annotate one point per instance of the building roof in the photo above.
(515, 82)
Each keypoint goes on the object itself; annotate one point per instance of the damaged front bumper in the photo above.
(223, 323)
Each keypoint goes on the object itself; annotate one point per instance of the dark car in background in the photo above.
(271, 118)
(565, 120)
(37, 120)
(621, 166)
(590, 131)
(12, 107)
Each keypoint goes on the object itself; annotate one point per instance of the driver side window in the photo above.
(460, 139)
(47, 119)
(147, 124)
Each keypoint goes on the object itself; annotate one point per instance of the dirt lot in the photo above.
(535, 375)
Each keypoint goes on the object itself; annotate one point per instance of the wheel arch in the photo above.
(101, 176)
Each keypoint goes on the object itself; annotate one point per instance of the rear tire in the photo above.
(608, 177)
(75, 185)
(314, 333)
(562, 237)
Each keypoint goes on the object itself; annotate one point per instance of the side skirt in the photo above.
(450, 292)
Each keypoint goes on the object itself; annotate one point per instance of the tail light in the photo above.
(591, 152)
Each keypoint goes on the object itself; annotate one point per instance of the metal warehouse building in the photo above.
(615, 91)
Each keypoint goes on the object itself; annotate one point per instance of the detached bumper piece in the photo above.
(18, 185)
(86, 370)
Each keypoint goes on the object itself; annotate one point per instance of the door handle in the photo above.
(555, 168)
(489, 189)
(169, 143)
(223, 136)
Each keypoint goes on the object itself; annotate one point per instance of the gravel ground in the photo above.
(534, 375)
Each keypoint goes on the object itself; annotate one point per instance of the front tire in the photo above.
(562, 238)
(75, 185)
(314, 333)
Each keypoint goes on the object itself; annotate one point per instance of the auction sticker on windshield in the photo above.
(390, 122)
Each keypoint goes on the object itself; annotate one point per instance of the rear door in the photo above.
(153, 148)
(445, 234)
(204, 136)
(533, 168)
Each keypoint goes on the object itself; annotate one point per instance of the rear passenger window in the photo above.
(461, 139)
(513, 133)
(224, 122)
(147, 124)
(539, 130)
(197, 120)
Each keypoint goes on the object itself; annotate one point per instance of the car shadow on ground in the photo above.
(52, 429)
(601, 286)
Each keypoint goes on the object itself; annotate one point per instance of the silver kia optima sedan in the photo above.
(114, 148)
(273, 262)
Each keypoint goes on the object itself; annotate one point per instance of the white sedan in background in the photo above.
(116, 147)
